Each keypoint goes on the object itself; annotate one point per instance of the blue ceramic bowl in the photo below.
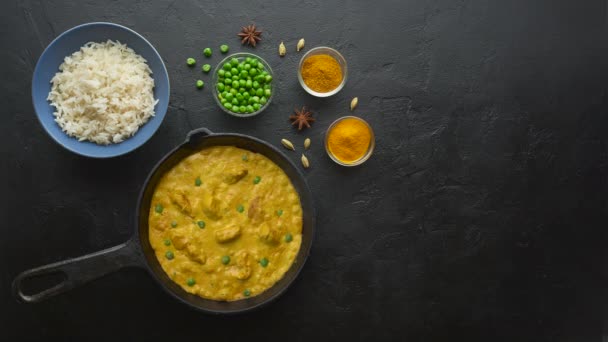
(69, 42)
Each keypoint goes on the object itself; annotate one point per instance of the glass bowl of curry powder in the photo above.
(349, 141)
(322, 71)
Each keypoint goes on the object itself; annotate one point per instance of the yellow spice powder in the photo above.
(349, 140)
(321, 73)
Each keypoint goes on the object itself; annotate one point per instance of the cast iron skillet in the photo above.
(137, 252)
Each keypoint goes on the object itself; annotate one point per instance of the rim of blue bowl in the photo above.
(36, 72)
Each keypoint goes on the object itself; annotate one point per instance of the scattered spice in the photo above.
(300, 45)
(305, 162)
(301, 118)
(250, 35)
(349, 140)
(282, 49)
(353, 103)
(306, 143)
(321, 73)
(287, 144)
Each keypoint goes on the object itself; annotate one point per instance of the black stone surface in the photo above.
(481, 216)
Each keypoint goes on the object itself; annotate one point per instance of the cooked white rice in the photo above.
(103, 93)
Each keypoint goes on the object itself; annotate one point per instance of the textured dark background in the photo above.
(481, 216)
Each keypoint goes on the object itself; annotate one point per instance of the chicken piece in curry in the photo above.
(225, 223)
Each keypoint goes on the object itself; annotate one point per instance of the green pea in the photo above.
(260, 66)
(257, 179)
(226, 66)
(256, 106)
(247, 293)
(242, 90)
(239, 67)
(264, 262)
(228, 82)
(227, 88)
(263, 100)
(247, 66)
(244, 74)
(207, 52)
(244, 157)
(235, 77)
(248, 84)
(255, 99)
(169, 255)
(268, 78)
(259, 92)
(288, 237)
(243, 109)
(246, 95)
(159, 208)
(221, 72)
(239, 97)
(242, 83)
(201, 224)
(253, 72)
(279, 212)
(234, 71)
(233, 91)
(197, 181)
(240, 208)
(228, 105)
(228, 74)
(234, 62)
(249, 109)
(206, 68)
(266, 86)
(200, 84)
(221, 87)
(235, 84)
(224, 48)
(226, 259)
(248, 60)
(267, 92)
(235, 109)
(167, 242)
(235, 102)
(253, 61)
(228, 96)
(173, 224)
(190, 62)
(251, 91)
(256, 84)
(190, 282)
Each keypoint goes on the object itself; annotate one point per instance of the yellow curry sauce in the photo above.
(225, 223)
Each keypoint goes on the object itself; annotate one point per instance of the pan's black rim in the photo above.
(299, 266)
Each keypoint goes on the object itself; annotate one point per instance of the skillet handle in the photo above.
(196, 134)
(79, 270)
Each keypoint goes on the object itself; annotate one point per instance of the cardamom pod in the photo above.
(353, 103)
(288, 145)
(306, 143)
(305, 162)
(300, 45)
(282, 50)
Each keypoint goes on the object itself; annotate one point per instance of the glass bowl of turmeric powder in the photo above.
(322, 71)
(349, 141)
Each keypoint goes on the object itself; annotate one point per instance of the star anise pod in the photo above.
(250, 35)
(302, 118)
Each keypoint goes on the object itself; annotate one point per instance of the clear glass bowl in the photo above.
(370, 149)
(324, 50)
(241, 56)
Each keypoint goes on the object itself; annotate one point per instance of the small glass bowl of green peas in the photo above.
(242, 84)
